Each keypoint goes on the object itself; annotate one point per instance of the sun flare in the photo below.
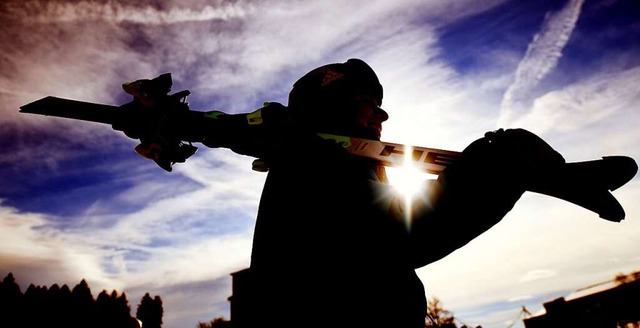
(407, 179)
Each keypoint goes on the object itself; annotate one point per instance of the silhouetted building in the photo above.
(607, 305)
(240, 300)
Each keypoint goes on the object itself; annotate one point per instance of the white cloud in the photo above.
(533, 251)
(594, 100)
(537, 275)
(541, 57)
(235, 55)
(519, 298)
(46, 12)
(39, 254)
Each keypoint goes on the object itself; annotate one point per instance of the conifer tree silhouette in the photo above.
(34, 303)
(57, 306)
(11, 300)
(150, 311)
(82, 303)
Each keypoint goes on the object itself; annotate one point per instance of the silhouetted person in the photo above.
(331, 244)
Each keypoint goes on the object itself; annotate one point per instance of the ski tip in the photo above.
(602, 202)
(34, 107)
(621, 170)
(39, 106)
(613, 211)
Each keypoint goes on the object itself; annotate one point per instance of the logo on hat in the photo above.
(331, 76)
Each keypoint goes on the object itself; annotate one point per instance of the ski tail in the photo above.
(79, 110)
(589, 184)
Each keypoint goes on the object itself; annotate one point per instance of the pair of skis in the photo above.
(587, 184)
(150, 116)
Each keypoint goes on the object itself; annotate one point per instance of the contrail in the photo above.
(541, 57)
(115, 12)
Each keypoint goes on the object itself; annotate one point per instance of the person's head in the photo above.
(342, 98)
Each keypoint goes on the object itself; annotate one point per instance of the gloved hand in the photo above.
(524, 148)
(495, 171)
(477, 191)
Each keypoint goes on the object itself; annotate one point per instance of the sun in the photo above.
(407, 179)
(409, 182)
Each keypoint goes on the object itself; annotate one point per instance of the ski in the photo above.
(587, 184)
(430, 160)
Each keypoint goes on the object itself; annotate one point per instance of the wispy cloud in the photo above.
(118, 12)
(604, 97)
(30, 246)
(536, 234)
(179, 235)
(37, 252)
(538, 274)
(541, 58)
(194, 226)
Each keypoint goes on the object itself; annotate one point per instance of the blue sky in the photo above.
(77, 202)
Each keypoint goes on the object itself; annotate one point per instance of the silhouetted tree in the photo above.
(622, 278)
(82, 303)
(150, 311)
(11, 300)
(58, 305)
(215, 323)
(103, 306)
(438, 316)
(34, 303)
(159, 309)
(122, 311)
(112, 310)
(62, 307)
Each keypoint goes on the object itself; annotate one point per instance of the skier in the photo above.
(331, 244)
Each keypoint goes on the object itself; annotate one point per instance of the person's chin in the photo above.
(359, 132)
(371, 134)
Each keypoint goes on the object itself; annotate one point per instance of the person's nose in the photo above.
(381, 114)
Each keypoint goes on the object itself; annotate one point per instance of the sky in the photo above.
(77, 202)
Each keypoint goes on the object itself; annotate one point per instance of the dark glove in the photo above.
(507, 157)
(477, 191)
(524, 148)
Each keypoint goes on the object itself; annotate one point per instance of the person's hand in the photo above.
(504, 157)
(522, 147)
(477, 191)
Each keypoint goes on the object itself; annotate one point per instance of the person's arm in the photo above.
(253, 134)
(475, 193)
